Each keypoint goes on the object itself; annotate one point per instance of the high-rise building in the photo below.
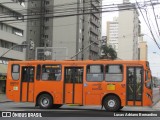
(12, 33)
(112, 33)
(142, 49)
(128, 32)
(62, 28)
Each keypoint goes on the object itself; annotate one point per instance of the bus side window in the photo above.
(51, 72)
(31, 74)
(95, 73)
(114, 73)
(15, 71)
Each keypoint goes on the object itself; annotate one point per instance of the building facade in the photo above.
(64, 28)
(112, 33)
(12, 33)
(128, 32)
(143, 49)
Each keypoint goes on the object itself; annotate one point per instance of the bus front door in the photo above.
(73, 85)
(134, 86)
(27, 84)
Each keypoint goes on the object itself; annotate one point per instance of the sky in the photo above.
(153, 51)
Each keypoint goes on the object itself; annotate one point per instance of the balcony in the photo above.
(93, 30)
(93, 39)
(14, 6)
(95, 4)
(97, 15)
(95, 48)
(94, 22)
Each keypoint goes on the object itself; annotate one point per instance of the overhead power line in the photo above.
(60, 6)
(155, 17)
(148, 24)
(71, 11)
(101, 10)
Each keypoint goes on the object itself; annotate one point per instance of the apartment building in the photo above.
(64, 28)
(143, 49)
(12, 33)
(128, 32)
(112, 33)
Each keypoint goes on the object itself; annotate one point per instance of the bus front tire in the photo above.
(111, 103)
(45, 101)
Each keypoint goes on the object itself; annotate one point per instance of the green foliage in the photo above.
(108, 53)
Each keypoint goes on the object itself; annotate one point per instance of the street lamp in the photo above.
(23, 44)
(156, 53)
(141, 35)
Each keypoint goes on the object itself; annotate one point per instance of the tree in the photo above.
(108, 52)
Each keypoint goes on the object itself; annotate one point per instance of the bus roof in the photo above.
(102, 61)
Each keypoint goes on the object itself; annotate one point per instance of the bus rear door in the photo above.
(27, 83)
(134, 86)
(73, 85)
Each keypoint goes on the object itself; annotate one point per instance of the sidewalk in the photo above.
(157, 106)
(3, 98)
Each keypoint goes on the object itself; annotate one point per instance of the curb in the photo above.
(5, 101)
(155, 102)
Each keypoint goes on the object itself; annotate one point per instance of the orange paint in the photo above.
(84, 92)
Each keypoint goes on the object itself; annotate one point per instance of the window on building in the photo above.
(8, 45)
(17, 32)
(46, 27)
(46, 19)
(47, 2)
(46, 36)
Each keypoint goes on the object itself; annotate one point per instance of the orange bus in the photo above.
(110, 84)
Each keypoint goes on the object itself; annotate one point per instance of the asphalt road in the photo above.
(11, 106)
(75, 112)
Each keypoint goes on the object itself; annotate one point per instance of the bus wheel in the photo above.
(111, 103)
(56, 106)
(45, 101)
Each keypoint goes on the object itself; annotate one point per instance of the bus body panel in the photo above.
(55, 88)
(12, 86)
(68, 93)
(78, 95)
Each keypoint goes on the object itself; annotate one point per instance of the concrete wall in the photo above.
(128, 35)
(7, 35)
(143, 50)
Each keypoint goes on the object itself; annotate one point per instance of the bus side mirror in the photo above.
(148, 84)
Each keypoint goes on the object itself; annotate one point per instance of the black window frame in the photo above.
(15, 72)
(38, 72)
(113, 73)
(95, 73)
